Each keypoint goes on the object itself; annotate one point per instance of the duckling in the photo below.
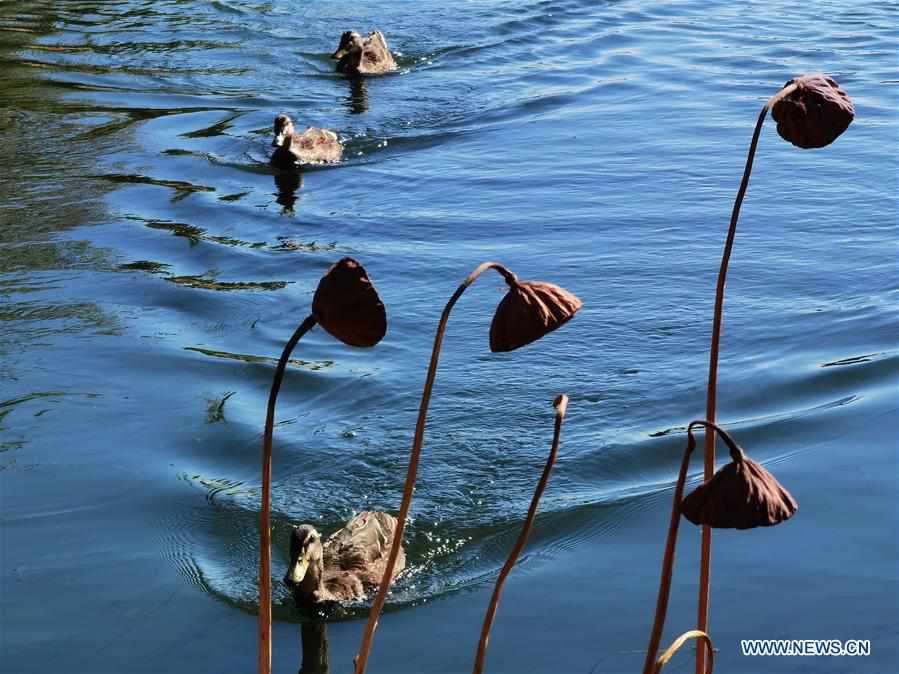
(350, 563)
(357, 55)
(313, 146)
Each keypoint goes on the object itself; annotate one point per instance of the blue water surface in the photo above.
(152, 266)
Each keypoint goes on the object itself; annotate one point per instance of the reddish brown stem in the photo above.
(561, 405)
(671, 543)
(361, 659)
(711, 397)
(265, 516)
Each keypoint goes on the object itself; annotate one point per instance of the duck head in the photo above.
(283, 129)
(305, 565)
(350, 42)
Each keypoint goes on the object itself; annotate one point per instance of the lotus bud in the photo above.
(811, 111)
(742, 495)
(528, 311)
(347, 305)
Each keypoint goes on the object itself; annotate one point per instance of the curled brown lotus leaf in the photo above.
(742, 495)
(347, 305)
(528, 311)
(814, 113)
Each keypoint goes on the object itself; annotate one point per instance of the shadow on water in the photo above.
(48, 163)
(33, 196)
(286, 185)
(357, 101)
(316, 658)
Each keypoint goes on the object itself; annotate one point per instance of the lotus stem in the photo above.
(680, 641)
(361, 659)
(655, 638)
(783, 93)
(712, 393)
(561, 405)
(265, 516)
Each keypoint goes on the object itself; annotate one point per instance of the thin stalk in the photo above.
(265, 516)
(561, 405)
(671, 543)
(703, 638)
(361, 659)
(712, 394)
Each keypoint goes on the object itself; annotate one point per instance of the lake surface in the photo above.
(151, 268)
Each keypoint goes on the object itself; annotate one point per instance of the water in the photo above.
(151, 267)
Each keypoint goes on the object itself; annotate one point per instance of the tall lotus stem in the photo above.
(347, 306)
(811, 111)
(264, 620)
(711, 396)
(535, 309)
(561, 405)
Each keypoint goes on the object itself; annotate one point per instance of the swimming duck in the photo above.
(357, 55)
(347, 565)
(313, 146)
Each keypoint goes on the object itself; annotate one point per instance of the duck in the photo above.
(357, 55)
(346, 566)
(313, 146)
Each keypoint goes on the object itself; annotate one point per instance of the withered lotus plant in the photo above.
(527, 312)
(561, 405)
(741, 495)
(811, 111)
(346, 305)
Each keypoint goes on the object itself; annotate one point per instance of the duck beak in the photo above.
(297, 572)
(339, 54)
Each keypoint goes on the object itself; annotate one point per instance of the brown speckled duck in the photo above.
(349, 564)
(357, 55)
(313, 146)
